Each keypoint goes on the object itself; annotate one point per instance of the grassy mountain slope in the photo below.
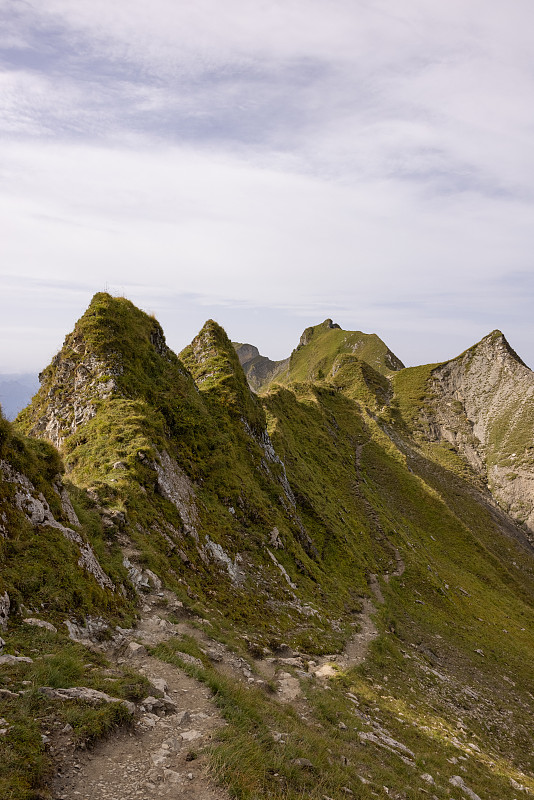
(58, 564)
(191, 467)
(317, 355)
(40, 556)
(278, 518)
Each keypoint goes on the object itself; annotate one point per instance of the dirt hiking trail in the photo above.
(164, 755)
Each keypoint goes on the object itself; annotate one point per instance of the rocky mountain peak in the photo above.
(75, 380)
(483, 404)
(260, 370)
(246, 352)
(215, 366)
(211, 353)
(115, 351)
(495, 346)
(308, 333)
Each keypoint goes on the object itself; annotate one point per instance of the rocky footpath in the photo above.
(163, 753)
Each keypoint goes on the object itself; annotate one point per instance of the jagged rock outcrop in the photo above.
(92, 697)
(483, 403)
(174, 484)
(35, 508)
(93, 380)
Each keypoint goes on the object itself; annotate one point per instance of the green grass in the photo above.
(321, 345)
(39, 565)
(254, 755)
(412, 395)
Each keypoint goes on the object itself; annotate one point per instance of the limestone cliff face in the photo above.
(483, 404)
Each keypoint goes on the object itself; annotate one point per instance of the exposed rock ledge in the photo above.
(37, 511)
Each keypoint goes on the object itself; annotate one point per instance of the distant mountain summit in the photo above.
(480, 403)
(260, 370)
(316, 356)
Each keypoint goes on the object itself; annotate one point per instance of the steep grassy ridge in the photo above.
(193, 469)
(453, 661)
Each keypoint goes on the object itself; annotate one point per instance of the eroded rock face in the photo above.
(91, 696)
(66, 505)
(174, 484)
(144, 580)
(76, 380)
(483, 404)
(5, 605)
(40, 623)
(95, 629)
(36, 509)
(216, 552)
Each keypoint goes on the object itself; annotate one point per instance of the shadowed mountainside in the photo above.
(260, 370)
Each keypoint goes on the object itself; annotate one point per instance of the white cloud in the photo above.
(212, 224)
(306, 156)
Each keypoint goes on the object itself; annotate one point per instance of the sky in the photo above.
(268, 164)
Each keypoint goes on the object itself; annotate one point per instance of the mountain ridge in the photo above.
(279, 522)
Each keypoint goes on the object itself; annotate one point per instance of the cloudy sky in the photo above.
(269, 163)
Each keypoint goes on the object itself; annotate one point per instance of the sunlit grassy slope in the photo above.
(316, 357)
